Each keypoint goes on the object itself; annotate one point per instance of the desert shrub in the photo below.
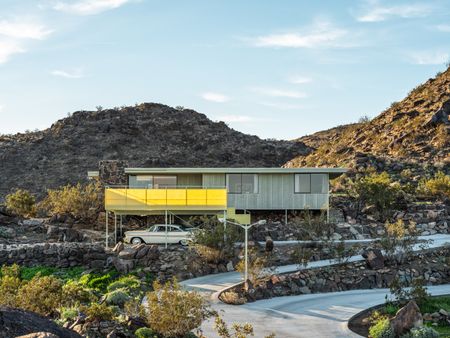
(134, 308)
(130, 283)
(237, 330)
(231, 297)
(98, 312)
(81, 201)
(145, 332)
(301, 255)
(214, 241)
(117, 297)
(68, 313)
(42, 295)
(9, 285)
(421, 332)
(439, 186)
(173, 312)
(402, 293)
(74, 293)
(98, 282)
(21, 202)
(377, 190)
(399, 239)
(381, 329)
(258, 265)
(312, 226)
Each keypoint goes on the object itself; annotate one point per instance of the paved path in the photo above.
(316, 315)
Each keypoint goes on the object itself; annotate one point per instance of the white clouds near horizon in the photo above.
(429, 57)
(215, 97)
(88, 7)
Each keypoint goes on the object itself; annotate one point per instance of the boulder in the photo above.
(374, 259)
(406, 318)
(123, 265)
(16, 323)
(127, 253)
(39, 335)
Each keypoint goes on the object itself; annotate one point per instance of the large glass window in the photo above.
(152, 182)
(311, 183)
(164, 182)
(242, 183)
(319, 183)
(302, 183)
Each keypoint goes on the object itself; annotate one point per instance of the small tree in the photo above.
(21, 202)
(377, 190)
(9, 285)
(173, 312)
(259, 265)
(399, 239)
(439, 186)
(80, 201)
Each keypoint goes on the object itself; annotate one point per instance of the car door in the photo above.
(175, 234)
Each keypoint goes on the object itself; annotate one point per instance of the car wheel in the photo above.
(136, 240)
(184, 242)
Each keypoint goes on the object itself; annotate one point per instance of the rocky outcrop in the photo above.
(15, 323)
(413, 133)
(145, 135)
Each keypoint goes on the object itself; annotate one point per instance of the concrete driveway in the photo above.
(315, 315)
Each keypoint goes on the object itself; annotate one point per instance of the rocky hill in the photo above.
(149, 135)
(412, 133)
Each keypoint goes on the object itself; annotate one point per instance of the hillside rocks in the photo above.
(351, 276)
(146, 135)
(15, 323)
(414, 132)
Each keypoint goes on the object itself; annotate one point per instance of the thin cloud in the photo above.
(443, 28)
(300, 80)
(275, 92)
(376, 13)
(235, 118)
(1, 108)
(8, 49)
(215, 97)
(429, 58)
(282, 106)
(23, 30)
(75, 74)
(320, 35)
(89, 7)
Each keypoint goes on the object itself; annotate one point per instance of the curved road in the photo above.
(315, 315)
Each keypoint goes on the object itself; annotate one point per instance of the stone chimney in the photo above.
(112, 172)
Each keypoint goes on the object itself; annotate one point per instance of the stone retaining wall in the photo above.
(61, 255)
(432, 266)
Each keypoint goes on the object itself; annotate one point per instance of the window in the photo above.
(311, 184)
(319, 183)
(150, 181)
(242, 183)
(302, 183)
(163, 182)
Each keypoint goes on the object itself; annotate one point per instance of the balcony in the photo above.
(147, 201)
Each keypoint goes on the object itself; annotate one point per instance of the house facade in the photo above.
(236, 193)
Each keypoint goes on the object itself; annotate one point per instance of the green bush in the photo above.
(10, 284)
(130, 283)
(421, 332)
(68, 313)
(42, 295)
(81, 201)
(21, 202)
(145, 332)
(28, 273)
(377, 190)
(117, 297)
(98, 312)
(439, 185)
(74, 293)
(381, 329)
(98, 282)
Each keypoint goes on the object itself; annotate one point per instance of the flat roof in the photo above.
(275, 170)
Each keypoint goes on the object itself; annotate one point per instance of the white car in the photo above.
(157, 234)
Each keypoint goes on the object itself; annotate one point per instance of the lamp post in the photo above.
(246, 229)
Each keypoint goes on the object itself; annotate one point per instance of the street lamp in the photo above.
(246, 228)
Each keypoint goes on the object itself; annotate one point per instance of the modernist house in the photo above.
(236, 193)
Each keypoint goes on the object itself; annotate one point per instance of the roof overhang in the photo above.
(333, 172)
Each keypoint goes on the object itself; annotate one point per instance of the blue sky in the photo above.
(276, 69)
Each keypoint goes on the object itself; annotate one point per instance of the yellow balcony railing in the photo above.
(121, 199)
